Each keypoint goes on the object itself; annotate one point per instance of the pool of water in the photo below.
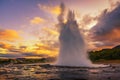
(49, 72)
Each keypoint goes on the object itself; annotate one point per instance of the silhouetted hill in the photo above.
(106, 54)
(116, 47)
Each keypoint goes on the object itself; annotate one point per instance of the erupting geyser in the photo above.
(72, 45)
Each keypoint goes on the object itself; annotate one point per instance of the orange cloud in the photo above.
(108, 40)
(5, 45)
(51, 9)
(55, 10)
(9, 35)
(113, 36)
(9, 47)
(36, 20)
(46, 49)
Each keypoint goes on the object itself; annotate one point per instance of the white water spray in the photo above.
(73, 50)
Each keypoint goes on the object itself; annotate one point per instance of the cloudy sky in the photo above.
(28, 28)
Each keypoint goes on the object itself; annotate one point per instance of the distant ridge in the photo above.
(116, 47)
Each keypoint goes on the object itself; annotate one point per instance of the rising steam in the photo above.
(73, 50)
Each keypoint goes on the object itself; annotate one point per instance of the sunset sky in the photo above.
(28, 28)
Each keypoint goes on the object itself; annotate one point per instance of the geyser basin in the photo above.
(73, 50)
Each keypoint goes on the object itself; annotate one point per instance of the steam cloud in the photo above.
(61, 17)
(73, 50)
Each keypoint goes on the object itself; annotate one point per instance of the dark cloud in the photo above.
(10, 55)
(23, 47)
(30, 54)
(21, 55)
(107, 30)
(13, 49)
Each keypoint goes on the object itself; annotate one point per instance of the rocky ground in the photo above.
(48, 72)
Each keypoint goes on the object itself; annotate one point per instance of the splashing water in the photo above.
(73, 50)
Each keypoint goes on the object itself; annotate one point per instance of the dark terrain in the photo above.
(48, 72)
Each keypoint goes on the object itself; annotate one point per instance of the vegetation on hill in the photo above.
(105, 54)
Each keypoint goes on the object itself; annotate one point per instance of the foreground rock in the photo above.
(49, 72)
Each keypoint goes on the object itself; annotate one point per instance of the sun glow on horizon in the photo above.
(27, 29)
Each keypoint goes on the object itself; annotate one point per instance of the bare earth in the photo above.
(48, 72)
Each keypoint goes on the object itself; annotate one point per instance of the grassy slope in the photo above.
(107, 62)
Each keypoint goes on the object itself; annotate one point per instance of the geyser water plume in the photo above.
(73, 50)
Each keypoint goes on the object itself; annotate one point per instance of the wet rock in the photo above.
(55, 79)
(109, 78)
(46, 66)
